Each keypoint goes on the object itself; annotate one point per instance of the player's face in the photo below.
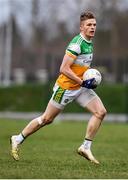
(88, 28)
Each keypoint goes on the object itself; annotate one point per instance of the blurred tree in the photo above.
(42, 27)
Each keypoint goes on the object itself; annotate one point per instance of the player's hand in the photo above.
(89, 84)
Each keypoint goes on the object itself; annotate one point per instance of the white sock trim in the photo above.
(19, 138)
(87, 144)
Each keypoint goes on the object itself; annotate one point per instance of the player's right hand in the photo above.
(89, 84)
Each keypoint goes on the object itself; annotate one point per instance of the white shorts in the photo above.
(61, 97)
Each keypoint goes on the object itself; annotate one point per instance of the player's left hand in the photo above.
(89, 84)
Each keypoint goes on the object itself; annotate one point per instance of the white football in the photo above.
(93, 73)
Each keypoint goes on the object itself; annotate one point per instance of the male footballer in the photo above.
(70, 86)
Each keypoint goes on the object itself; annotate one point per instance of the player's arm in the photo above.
(65, 69)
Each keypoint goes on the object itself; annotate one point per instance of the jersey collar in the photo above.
(85, 39)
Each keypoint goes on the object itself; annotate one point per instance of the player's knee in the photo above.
(44, 120)
(100, 114)
(47, 119)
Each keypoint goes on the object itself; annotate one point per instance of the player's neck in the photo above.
(88, 39)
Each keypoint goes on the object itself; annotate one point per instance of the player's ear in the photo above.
(81, 26)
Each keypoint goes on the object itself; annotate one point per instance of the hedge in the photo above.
(34, 97)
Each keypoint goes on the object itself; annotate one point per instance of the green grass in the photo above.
(51, 152)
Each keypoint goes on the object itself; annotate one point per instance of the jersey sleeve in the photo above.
(73, 49)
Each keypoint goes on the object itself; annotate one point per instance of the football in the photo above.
(93, 73)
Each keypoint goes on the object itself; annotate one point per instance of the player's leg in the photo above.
(58, 101)
(93, 103)
(98, 110)
(50, 113)
(48, 116)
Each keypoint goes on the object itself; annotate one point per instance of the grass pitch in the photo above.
(51, 152)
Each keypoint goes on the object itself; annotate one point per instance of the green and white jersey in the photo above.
(82, 49)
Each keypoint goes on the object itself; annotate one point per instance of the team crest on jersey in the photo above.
(66, 100)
